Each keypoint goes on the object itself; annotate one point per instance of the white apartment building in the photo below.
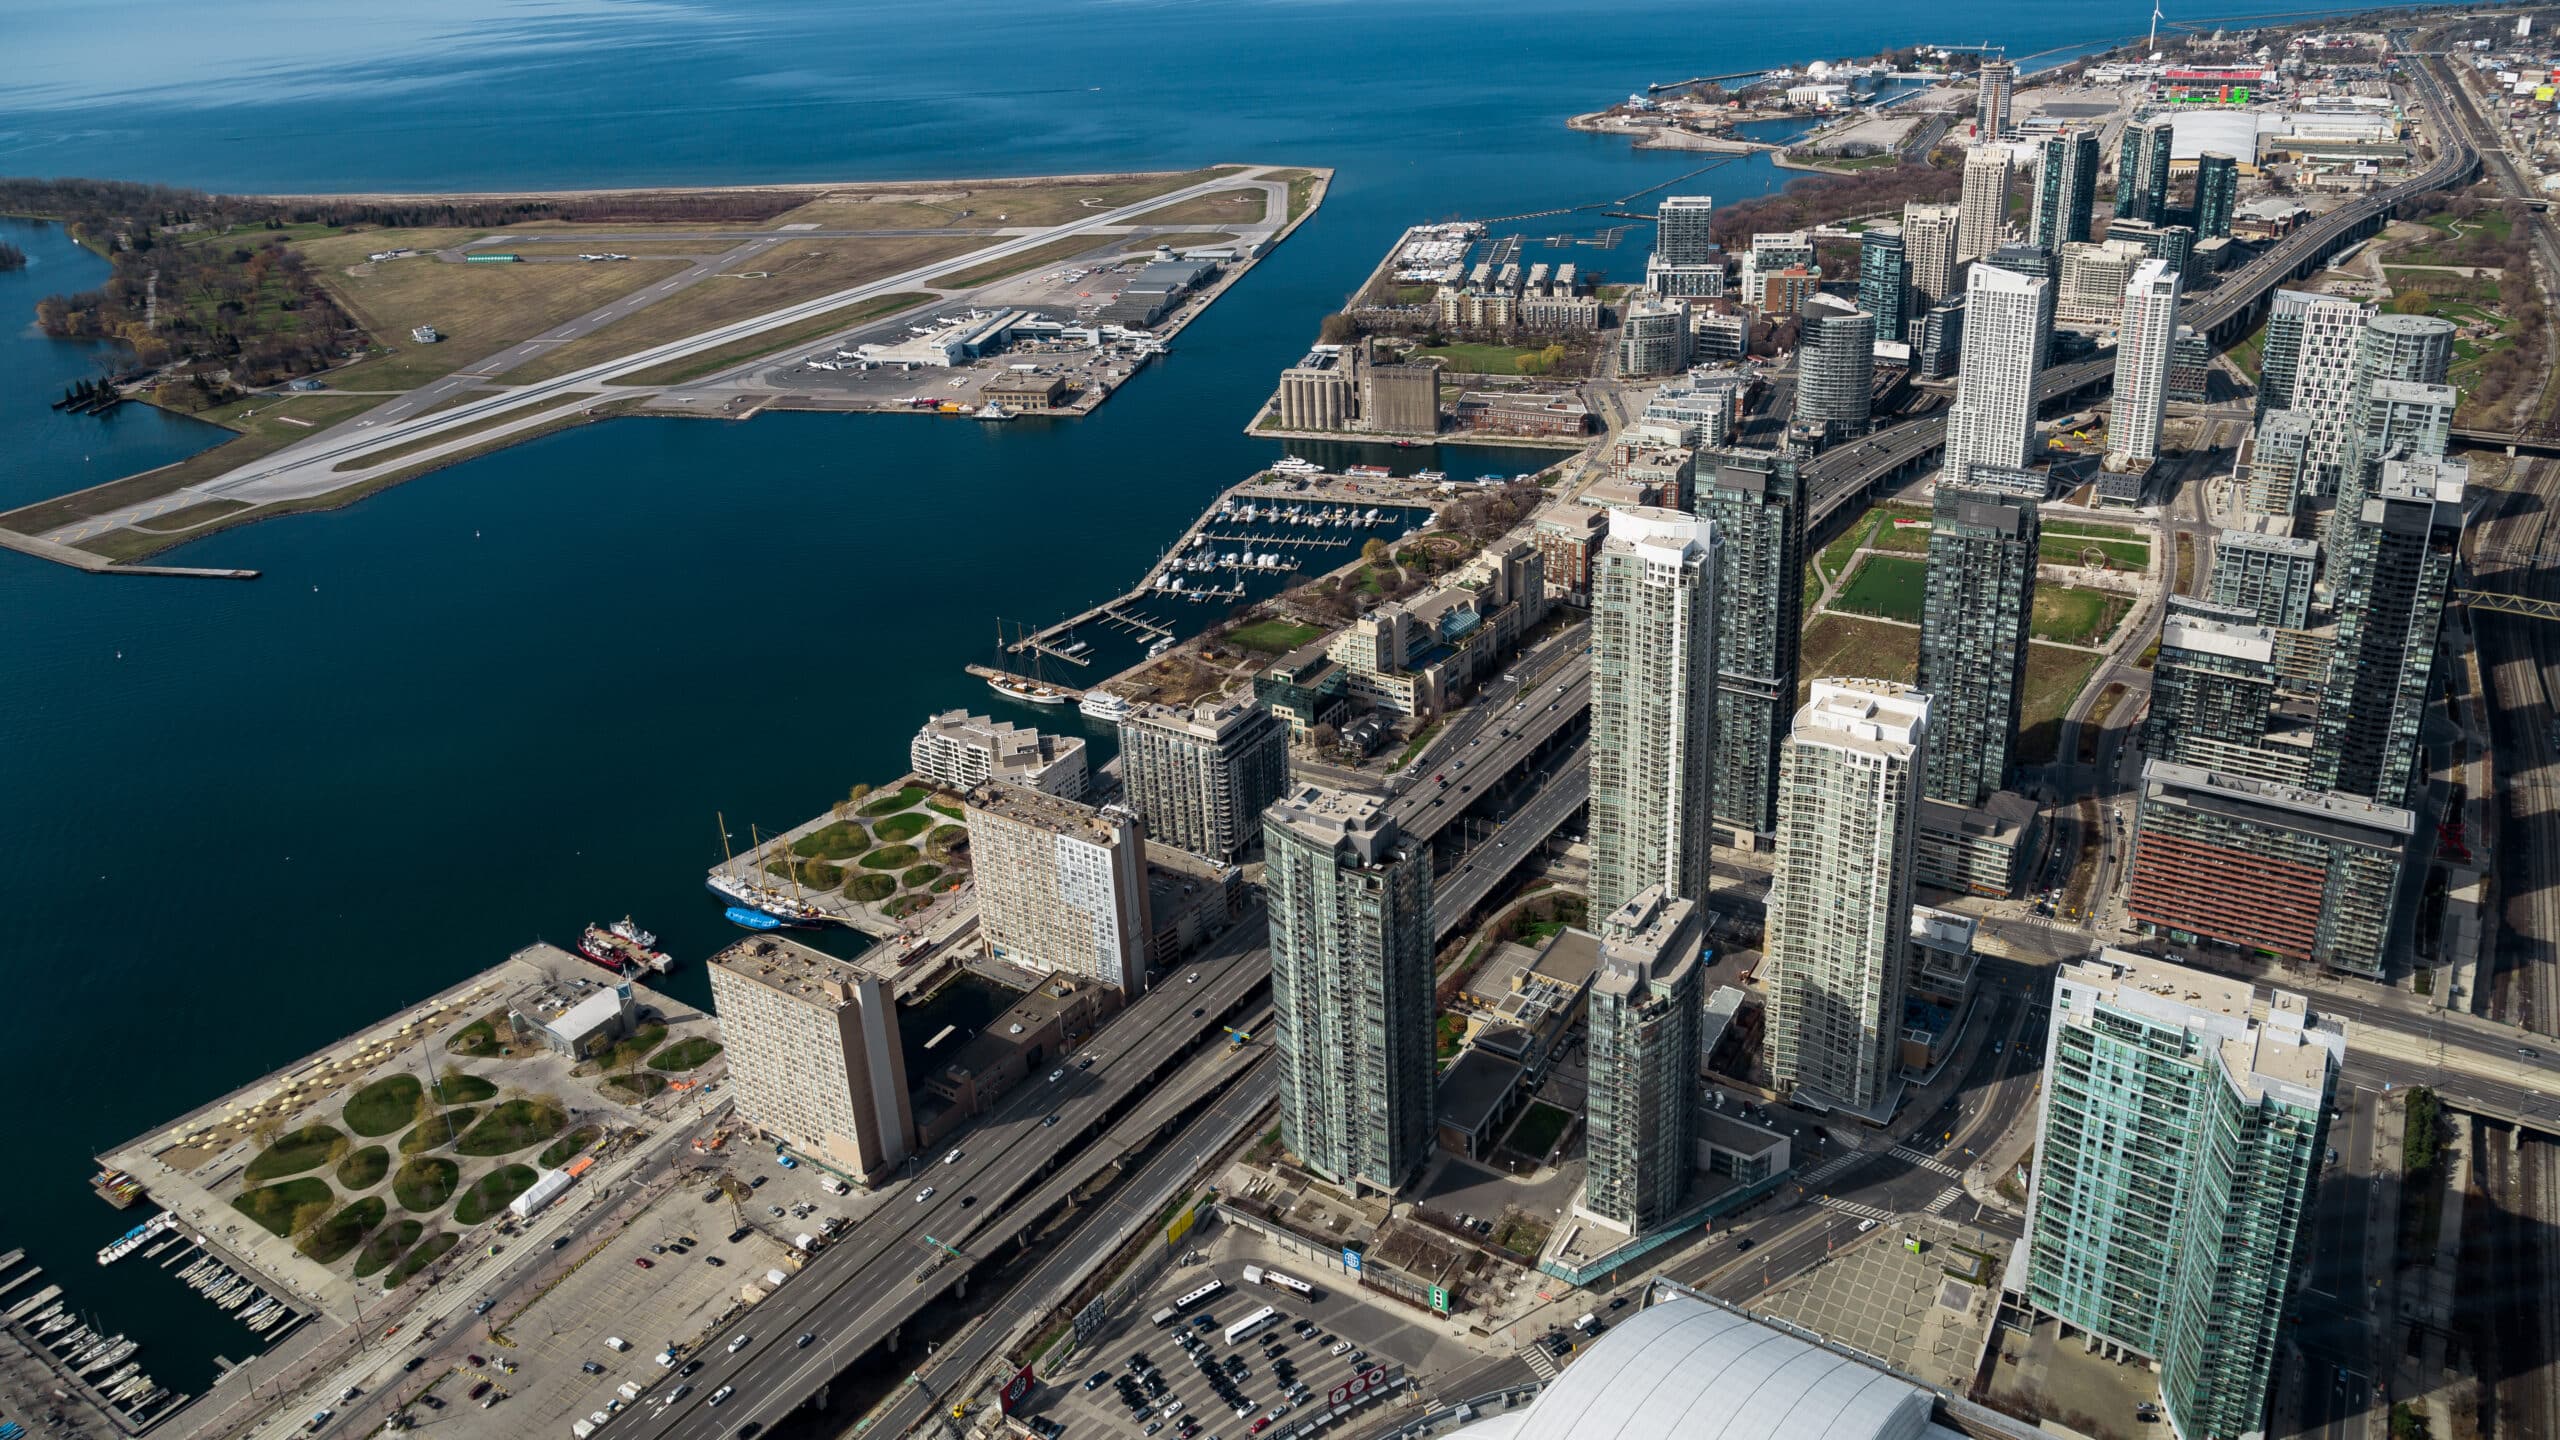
(1062, 886)
(2144, 339)
(1653, 697)
(1839, 914)
(1994, 418)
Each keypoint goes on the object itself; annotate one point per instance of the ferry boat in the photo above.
(1029, 692)
(1103, 705)
(613, 948)
(993, 411)
(1295, 465)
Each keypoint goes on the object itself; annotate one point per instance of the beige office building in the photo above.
(1062, 886)
(814, 1056)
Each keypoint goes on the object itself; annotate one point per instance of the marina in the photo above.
(1257, 538)
(84, 1375)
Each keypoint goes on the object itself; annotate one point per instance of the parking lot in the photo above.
(666, 1279)
(1315, 1344)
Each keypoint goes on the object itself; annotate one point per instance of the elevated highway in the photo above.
(1890, 457)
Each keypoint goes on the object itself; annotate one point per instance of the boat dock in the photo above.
(1272, 497)
(775, 850)
(55, 1365)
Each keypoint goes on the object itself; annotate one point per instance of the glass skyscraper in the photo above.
(1653, 705)
(2178, 1140)
(1974, 626)
(1643, 1062)
(1352, 1012)
(1756, 501)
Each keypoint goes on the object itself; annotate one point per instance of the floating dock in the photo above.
(50, 1354)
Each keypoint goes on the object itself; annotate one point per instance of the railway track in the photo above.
(2520, 663)
(2509, 1310)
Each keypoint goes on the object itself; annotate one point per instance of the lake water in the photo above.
(237, 820)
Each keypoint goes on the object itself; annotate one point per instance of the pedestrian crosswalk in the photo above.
(1829, 1168)
(1946, 1197)
(1541, 1362)
(1925, 1161)
(1852, 1207)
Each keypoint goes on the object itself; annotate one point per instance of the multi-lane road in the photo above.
(1837, 477)
(864, 1285)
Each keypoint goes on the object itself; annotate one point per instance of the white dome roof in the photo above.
(1686, 1370)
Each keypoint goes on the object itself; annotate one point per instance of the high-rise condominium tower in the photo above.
(1352, 1013)
(2178, 1142)
(1993, 422)
(1643, 1062)
(1839, 914)
(1653, 705)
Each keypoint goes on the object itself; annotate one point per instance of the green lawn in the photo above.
(638, 1085)
(633, 1048)
(569, 1147)
(1835, 556)
(840, 841)
(425, 1183)
(1539, 1126)
(902, 827)
(920, 876)
(512, 1125)
(488, 1196)
(2073, 616)
(2245, 354)
(437, 1130)
(944, 840)
(1273, 637)
(339, 1233)
(480, 1037)
(364, 1169)
(873, 888)
(1474, 359)
(1421, 738)
(1901, 539)
(2055, 549)
(385, 1106)
(1888, 586)
(386, 1245)
(425, 1253)
(905, 799)
(890, 857)
(308, 1148)
(2055, 678)
(285, 1208)
(457, 1088)
(691, 1053)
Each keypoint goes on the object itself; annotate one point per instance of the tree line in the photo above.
(207, 284)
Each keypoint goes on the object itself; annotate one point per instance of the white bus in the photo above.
(1287, 1282)
(1199, 1297)
(1252, 1325)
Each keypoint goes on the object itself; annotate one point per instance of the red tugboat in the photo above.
(624, 948)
